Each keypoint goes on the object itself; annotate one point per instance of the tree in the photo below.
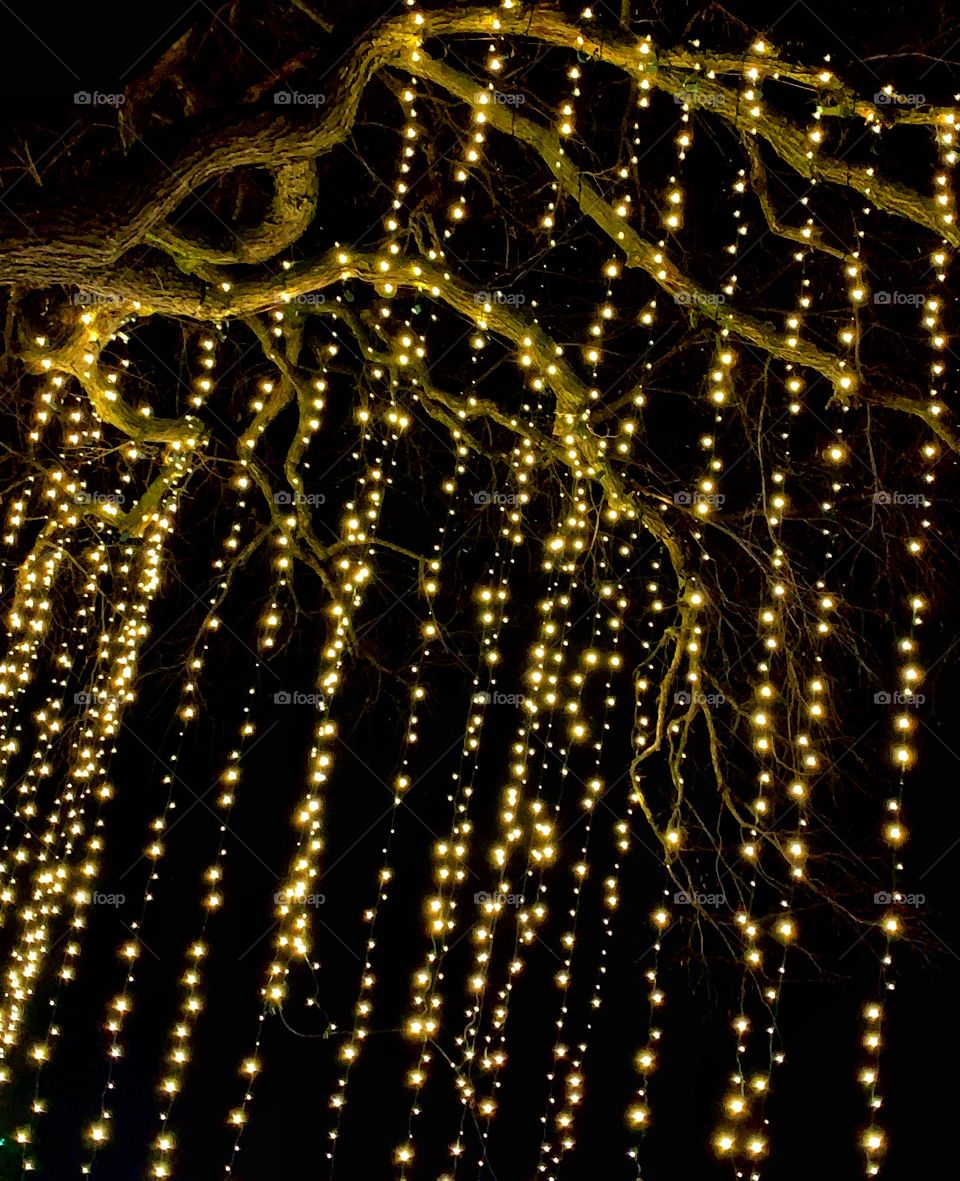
(628, 360)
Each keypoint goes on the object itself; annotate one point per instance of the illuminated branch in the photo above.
(292, 209)
(79, 356)
(668, 71)
(647, 257)
(89, 241)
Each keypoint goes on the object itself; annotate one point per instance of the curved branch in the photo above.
(88, 241)
(291, 211)
(79, 356)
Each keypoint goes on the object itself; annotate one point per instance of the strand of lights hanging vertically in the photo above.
(27, 624)
(906, 698)
(156, 847)
(98, 687)
(491, 1050)
(652, 708)
(51, 725)
(180, 1037)
(450, 855)
(439, 910)
(494, 899)
(768, 732)
(748, 1099)
(187, 711)
(431, 583)
(352, 576)
(566, 126)
(64, 488)
(638, 1115)
(573, 1068)
(87, 787)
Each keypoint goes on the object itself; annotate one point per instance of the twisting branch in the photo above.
(79, 355)
(292, 209)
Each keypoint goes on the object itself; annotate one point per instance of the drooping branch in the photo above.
(668, 70)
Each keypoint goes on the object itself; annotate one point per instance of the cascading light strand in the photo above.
(566, 125)
(51, 728)
(573, 1069)
(907, 701)
(424, 1022)
(543, 676)
(188, 711)
(89, 774)
(191, 1002)
(352, 578)
(450, 856)
(105, 697)
(431, 581)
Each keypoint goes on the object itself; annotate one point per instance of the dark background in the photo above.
(816, 1107)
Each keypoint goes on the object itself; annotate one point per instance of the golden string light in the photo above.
(431, 584)
(353, 576)
(566, 127)
(571, 1067)
(49, 730)
(154, 850)
(423, 1024)
(649, 719)
(908, 700)
(180, 1037)
(484, 1054)
(87, 787)
(450, 855)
